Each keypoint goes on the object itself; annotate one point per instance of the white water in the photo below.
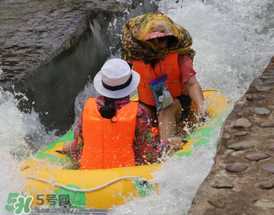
(11, 132)
(230, 54)
(14, 129)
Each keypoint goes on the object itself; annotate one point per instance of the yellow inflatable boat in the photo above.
(51, 185)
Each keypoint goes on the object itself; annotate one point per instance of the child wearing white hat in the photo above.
(112, 114)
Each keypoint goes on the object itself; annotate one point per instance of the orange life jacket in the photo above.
(108, 143)
(169, 66)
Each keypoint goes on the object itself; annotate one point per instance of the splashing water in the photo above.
(230, 51)
(233, 43)
(11, 135)
(15, 126)
(233, 39)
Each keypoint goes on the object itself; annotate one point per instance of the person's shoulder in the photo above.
(184, 56)
(185, 59)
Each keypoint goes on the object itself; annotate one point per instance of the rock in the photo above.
(258, 97)
(226, 136)
(271, 107)
(271, 147)
(242, 145)
(266, 185)
(249, 97)
(269, 167)
(269, 82)
(267, 125)
(239, 114)
(263, 88)
(264, 203)
(242, 123)
(267, 76)
(236, 167)
(240, 133)
(222, 183)
(238, 153)
(217, 203)
(262, 111)
(256, 156)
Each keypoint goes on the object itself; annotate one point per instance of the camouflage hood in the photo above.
(139, 30)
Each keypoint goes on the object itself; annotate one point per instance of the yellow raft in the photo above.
(50, 184)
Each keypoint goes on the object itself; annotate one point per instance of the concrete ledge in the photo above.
(33, 32)
(48, 52)
(242, 178)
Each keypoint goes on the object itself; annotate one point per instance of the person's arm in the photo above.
(191, 85)
(74, 148)
(195, 92)
(147, 141)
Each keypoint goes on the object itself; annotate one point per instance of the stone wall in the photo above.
(48, 51)
(34, 32)
(242, 178)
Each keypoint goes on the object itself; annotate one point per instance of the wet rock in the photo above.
(256, 156)
(262, 111)
(236, 167)
(265, 204)
(242, 145)
(242, 123)
(269, 167)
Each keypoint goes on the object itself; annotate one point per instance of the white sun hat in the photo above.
(116, 79)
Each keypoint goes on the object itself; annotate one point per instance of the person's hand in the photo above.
(65, 149)
(175, 143)
(202, 112)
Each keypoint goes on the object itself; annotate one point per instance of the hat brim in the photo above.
(154, 35)
(98, 85)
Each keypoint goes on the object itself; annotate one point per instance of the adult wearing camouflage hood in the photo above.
(160, 51)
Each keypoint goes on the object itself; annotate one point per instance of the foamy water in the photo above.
(15, 130)
(233, 41)
(231, 51)
(226, 35)
(12, 134)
